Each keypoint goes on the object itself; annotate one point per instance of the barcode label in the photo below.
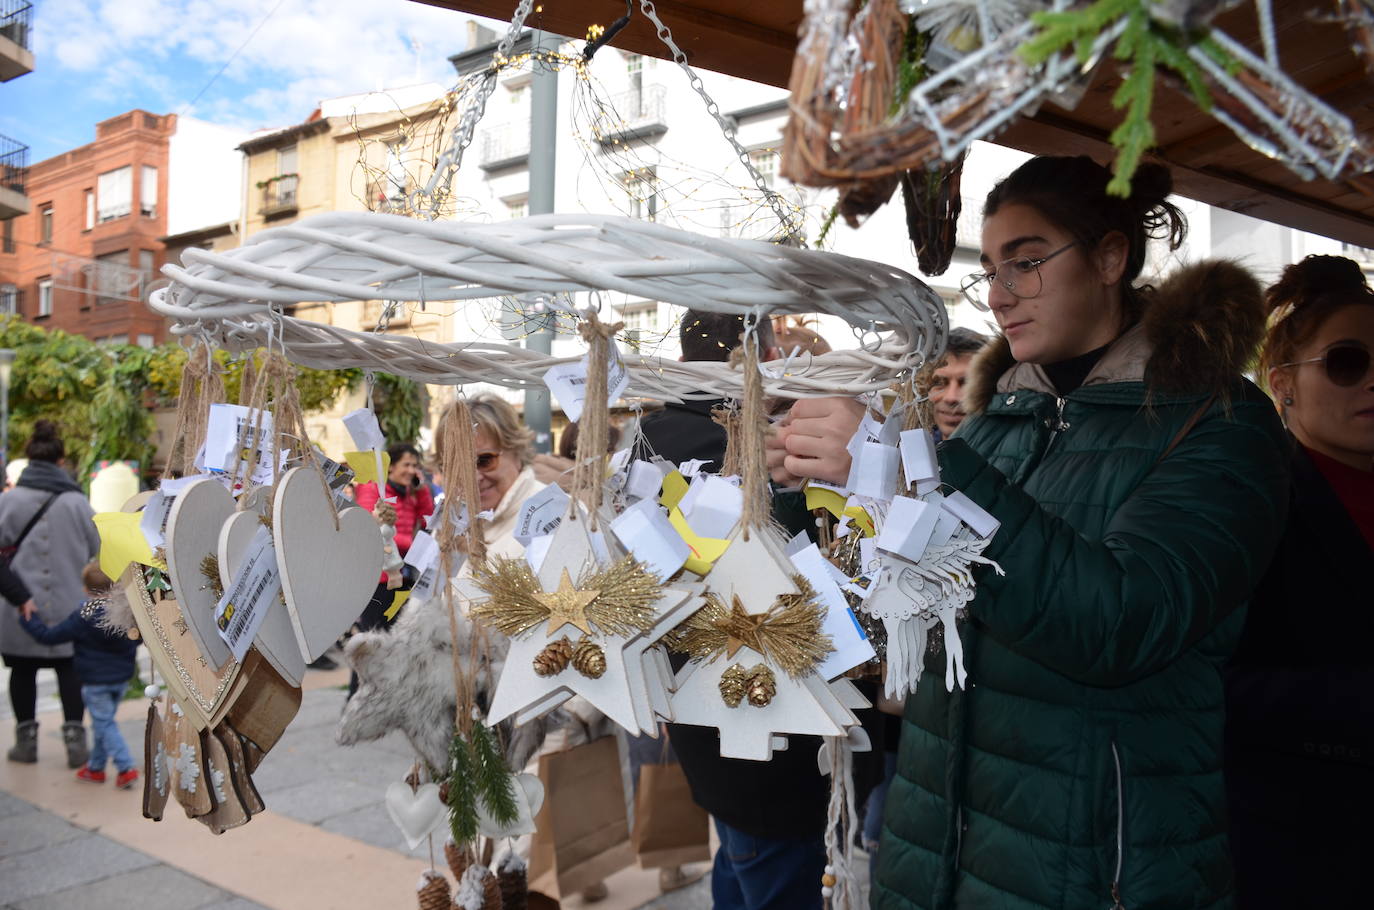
(255, 590)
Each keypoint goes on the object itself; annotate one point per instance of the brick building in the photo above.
(82, 258)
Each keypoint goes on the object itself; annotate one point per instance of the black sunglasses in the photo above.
(1346, 364)
(487, 459)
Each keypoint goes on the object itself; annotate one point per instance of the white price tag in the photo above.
(645, 531)
(874, 473)
(852, 646)
(870, 430)
(228, 424)
(540, 514)
(244, 606)
(362, 425)
(568, 384)
(971, 514)
(644, 481)
(918, 456)
(716, 508)
(910, 523)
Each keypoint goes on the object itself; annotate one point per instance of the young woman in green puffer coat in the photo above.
(1140, 482)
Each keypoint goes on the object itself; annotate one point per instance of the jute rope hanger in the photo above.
(235, 297)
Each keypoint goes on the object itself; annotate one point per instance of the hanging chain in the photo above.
(452, 158)
(775, 201)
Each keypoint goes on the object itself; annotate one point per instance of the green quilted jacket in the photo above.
(1082, 767)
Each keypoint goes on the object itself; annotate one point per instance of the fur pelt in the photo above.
(405, 682)
(1201, 330)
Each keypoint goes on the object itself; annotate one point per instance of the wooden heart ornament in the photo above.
(328, 570)
(193, 532)
(204, 693)
(276, 638)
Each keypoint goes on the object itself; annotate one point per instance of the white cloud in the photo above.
(159, 54)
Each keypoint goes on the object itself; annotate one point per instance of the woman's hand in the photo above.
(810, 443)
(28, 608)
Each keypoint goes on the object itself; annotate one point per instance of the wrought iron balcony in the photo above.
(14, 172)
(505, 145)
(279, 196)
(636, 114)
(16, 24)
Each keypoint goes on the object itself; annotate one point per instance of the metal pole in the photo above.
(543, 144)
(6, 364)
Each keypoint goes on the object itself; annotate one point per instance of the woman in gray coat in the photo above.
(49, 560)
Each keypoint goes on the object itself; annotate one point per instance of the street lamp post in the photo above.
(6, 364)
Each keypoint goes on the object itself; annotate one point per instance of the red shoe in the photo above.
(126, 779)
(95, 777)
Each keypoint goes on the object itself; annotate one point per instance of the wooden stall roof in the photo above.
(755, 39)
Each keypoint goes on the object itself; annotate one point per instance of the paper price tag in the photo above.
(918, 457)
(645, 531)
(153, 520)
(910, 523)
(230, 423)
(971, 514)
(423, 553)
(244, 606)
(870, 430)
(644, 481)
(362, 425)
(568, 384)
(852, 646)
(540, 514)
(874, 472)
(716, 508)
(337, 477)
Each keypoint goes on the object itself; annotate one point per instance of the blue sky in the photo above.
(99, 58)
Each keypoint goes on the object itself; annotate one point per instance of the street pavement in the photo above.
(324, 843)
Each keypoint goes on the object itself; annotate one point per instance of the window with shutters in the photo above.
(114, 194)
(147, 192)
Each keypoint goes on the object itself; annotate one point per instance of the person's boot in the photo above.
(74, 736)
(25, 746)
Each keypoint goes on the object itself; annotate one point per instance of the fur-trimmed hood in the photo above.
(1199, 331)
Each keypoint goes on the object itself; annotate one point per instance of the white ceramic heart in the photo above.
(418, 814)
(276, 639)
(529, 799)
(193, 527)
(328, 573)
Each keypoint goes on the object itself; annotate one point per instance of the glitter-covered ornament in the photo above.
(589, 659)
(734, 683)
(763, 685)
(554, 658)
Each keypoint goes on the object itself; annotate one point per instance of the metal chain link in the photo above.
(775, 200)
(452, 158)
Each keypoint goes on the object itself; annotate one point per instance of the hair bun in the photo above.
(1151, 185)
(44, 430)
(1315, 277)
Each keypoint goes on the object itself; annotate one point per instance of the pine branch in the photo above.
(462, 793)
(1136, 132)
(495, 784)
(1079, 28)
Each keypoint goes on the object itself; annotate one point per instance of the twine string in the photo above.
(589, 474)
(750, 451)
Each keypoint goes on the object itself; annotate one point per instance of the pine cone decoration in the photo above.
(512, 874)
(433, 891)
(443, 792)
(554, 658)
(492, 889)
(588, 659)
(733, 684)
(459, 858)
(478, 890)
(762, 686)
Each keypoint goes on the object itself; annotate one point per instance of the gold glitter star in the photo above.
(567, 605)
(744, 628)
(201, 661)
(180, 625)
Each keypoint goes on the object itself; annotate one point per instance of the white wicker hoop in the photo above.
(234, 298)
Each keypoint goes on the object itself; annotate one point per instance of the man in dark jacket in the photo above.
(104, 662)
(770, 816)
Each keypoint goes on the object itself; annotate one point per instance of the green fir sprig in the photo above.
(494, 781)
(1147, 45)
(478, 775)
(462, 791)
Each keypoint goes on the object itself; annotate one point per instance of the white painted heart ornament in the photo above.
(328, 571)
(193, 530)
(276, 638)
(417, 813)
(529, 799)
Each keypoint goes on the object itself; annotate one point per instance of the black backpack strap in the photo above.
(37, 516)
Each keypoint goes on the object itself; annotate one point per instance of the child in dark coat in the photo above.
(104, 663)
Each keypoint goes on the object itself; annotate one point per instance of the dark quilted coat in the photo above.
(1082, 768)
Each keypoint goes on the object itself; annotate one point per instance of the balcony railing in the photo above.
(14, 164)
(636, 114)
(505, 145)
(16, 21)
(279, 195)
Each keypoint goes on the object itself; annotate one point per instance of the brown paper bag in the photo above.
(583, 834)
(670, 829)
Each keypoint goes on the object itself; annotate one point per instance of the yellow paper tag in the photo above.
(122, 542)
(674, 488)
(396, 603)
(824, 498)
(364, 465)
(705, 550)
(862, 520)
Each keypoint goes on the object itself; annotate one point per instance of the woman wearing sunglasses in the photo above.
(504, 450)
(1300, 691)
(1139, 481)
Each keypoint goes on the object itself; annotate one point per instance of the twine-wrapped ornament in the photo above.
(589, 659)
(555, 657)
(763, 685)
(513, 876)
(432, 891)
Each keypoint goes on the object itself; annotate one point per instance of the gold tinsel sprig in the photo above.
(209, 570)
(789, 635)
(624, 602)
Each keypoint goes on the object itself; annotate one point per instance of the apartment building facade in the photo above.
(83, 257)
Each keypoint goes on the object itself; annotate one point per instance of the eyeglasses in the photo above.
(1346, 364)
(487, 460)
(1020, 276)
